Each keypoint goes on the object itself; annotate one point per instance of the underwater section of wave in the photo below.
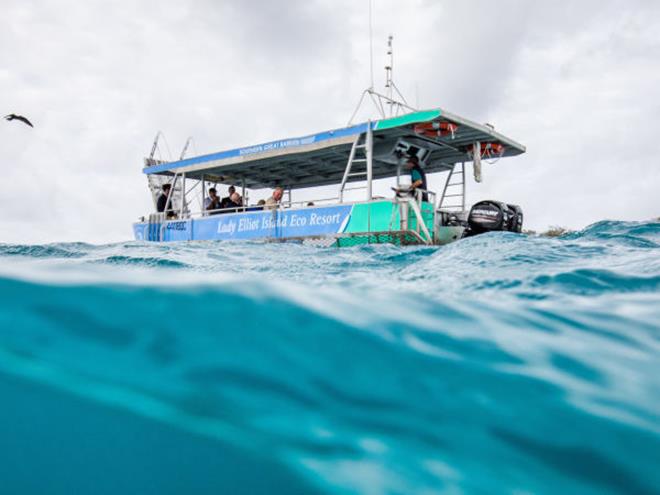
(502, 363)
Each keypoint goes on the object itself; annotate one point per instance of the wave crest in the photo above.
(465, 365)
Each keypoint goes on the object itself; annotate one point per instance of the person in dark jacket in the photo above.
(164, 203)
(417, 177)
(233, 203)
(226, 201)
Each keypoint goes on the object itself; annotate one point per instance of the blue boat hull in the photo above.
(275, 224)
(370, 222)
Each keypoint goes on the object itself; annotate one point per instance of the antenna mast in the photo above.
(389, 83)
(380, 100)
(371, 44)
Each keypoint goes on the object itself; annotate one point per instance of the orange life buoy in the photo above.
(436, 129)
(491, 149)
(488, 150)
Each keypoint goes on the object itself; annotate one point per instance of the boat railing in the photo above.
(311, 202)
(284, 205)
(417, 197)
(414, 200)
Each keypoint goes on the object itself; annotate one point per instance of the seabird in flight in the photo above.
(13, 116)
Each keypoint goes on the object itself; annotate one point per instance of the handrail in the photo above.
(294, 205)
(420, 221)
(314, 201)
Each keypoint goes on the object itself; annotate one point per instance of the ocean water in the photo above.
(499, 364)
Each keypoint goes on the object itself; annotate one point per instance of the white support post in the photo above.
(203, 194)
(463, 186)
(183, 194)
(170, 195)
(370, 154)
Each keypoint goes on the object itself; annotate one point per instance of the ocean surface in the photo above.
(503, 363)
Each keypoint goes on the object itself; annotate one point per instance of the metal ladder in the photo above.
(403, 206)
(456, 179)
(362, 143)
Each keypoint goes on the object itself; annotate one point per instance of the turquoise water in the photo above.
(498, 364)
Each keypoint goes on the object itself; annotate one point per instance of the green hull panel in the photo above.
(379, 222)
(373, 217)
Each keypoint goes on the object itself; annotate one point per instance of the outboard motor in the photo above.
(515, 219)
(494, 216)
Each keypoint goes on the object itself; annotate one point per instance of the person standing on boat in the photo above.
(164, 203)
(273, 202)
(212, 202)
(417, 177)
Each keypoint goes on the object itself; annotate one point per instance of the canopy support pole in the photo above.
(203, 194)
(463, 186)
(370, 156)
(168, 202)
(183, 194)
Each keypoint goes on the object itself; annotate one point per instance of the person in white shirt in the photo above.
(273, 202)
(212, 202)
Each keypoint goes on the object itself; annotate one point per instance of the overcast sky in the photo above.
(577, 82)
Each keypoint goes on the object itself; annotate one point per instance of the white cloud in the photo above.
(574, 81)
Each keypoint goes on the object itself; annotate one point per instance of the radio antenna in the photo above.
(381, 101)
(389, 76)
(371, 43)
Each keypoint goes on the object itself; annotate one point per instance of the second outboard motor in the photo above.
(515, 219)
(494, 216)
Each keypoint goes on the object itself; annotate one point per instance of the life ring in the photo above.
(492, 149)
(488, 150)
(436, 129)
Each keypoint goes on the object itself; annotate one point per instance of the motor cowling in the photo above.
(515, 218)
(494, 216)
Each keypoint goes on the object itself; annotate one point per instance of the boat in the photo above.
(349, 157)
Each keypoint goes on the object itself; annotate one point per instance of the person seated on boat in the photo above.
(164, 202)
(232, 203)
(258, 207)
(417, 177)
(273, 202)
(236, 200)
(227, 199)
(212, 202)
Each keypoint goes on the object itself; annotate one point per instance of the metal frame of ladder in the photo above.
(403, 206)
(451, 186)
(367, 159)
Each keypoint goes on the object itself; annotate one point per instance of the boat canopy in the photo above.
(439, 138)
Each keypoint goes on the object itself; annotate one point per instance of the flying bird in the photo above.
(13, 116)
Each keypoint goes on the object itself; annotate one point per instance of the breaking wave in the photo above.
(502, 363)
